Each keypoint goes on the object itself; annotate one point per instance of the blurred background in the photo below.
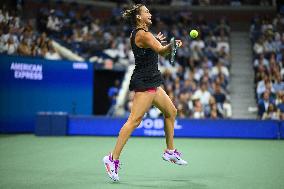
(74, 57)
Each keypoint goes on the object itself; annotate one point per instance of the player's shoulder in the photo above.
(144, 34)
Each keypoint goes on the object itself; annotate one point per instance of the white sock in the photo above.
(171, 151)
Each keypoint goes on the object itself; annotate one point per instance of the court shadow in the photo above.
(7, 136)
(164, 183)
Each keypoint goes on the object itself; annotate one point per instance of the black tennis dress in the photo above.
(146, 74)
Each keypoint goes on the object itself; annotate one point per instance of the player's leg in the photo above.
(141, 103)
(164, 103)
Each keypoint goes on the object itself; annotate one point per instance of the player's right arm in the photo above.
(147, 40)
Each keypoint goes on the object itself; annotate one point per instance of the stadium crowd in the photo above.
(198, 84)
(267, 37)
(18, 37)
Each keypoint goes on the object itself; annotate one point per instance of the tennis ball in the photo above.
(193, 33)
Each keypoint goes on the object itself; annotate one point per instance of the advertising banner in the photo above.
(104, 126)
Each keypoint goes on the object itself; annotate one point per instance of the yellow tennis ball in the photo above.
(193, 33)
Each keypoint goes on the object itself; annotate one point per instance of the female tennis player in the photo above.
(145, 81)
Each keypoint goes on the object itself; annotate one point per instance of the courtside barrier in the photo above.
(51, 124)
(106, 126)
(281, 129)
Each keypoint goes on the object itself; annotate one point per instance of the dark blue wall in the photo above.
(281, 129)
(29, 85)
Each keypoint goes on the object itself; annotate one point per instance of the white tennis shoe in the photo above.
(174, 157)
(112, 167)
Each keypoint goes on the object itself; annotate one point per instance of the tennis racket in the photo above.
(173, 50)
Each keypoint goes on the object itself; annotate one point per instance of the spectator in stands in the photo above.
(2, 42)
(264, 103)
(198, 112)
(220, 69)
(207, 63)
(274, 71)
(219, 96)
(129, 103)
(276, 43)
(224, 56)
(128, 107)
(5, 34)
(42, 51)
(51, 54)
(261, 61)
(24, 49)
(214, 112)
(197, 44)
(278, 97)
(203, 94)
(53, 22)
(112, 95)
(223, 29)
(280, 106)
(223, 42)
(269, 44)
(272, 113)
(258, 46)
(42, 39)
(113, 91)
(223, 81)
(10, 47)
(180, 111)
(278, 84)
(182, 106)
(211, 109)
(263, 85)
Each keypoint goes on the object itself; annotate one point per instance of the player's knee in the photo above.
(172, 113)
(135, 121)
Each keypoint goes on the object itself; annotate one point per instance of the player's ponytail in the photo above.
(130, 14)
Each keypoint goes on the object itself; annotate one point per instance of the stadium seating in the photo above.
(267, 39)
